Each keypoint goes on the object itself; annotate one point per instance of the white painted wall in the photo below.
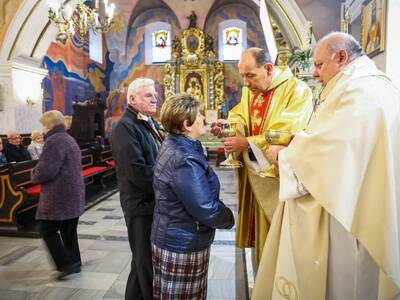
(7, 116)
(21, 79)
(389, 60)
(392, 41)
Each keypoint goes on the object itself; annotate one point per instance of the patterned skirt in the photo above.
(180, 275)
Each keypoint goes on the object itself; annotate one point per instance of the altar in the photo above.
(195, 69)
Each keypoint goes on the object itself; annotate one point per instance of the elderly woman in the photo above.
(36, 146)
(187, 208)
(62, 196)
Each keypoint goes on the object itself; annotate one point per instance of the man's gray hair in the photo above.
(339, 40)
(138, 84)
(11, 133)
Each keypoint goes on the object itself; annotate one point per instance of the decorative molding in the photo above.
(22, 28)
(28, 65)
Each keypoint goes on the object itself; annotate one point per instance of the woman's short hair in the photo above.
(36, 134)
(52, 118)
(176, 110)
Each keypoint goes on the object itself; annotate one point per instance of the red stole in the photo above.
(258, 111)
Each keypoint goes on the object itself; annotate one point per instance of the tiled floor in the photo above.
(26, 271)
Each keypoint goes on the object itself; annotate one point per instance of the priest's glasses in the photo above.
(229, 130)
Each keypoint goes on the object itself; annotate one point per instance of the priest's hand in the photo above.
(272, 153)
(235, 144)
(216, 127)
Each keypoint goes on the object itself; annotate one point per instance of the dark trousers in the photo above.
(61, 239)
(140, 280)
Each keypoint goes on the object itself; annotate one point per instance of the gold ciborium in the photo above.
(276, 137)
(229, 130)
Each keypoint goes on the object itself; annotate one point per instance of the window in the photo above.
(95, 46)
(158, 43)
(232, 40)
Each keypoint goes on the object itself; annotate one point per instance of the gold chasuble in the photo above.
(348, 159)
(286, 105)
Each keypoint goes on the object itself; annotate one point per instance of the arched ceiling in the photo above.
(30, 33)
(325, 15)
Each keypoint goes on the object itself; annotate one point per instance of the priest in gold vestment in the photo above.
(335, 232)
(271, 99)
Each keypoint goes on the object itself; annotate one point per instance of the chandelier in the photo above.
(80, 19)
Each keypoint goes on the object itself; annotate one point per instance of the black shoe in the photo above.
(75, 268)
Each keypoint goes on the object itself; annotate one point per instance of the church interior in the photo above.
(79, 57)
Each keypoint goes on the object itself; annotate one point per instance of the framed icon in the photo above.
(373, 26)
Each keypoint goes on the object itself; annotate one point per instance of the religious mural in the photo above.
(255, 38)
(131, 64)
(73, 76)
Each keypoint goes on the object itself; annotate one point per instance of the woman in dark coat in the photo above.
(187, 206)
(62, 196)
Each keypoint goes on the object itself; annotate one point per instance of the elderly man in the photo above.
(13, 150)
(271, 99)
(335, 235)
(135, 142)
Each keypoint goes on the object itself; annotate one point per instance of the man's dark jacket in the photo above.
(16, 153)
(134, 150)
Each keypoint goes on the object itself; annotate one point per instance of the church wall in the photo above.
(392, 44)
(392, 47)
(7, 117)
(255, 38)
(324, 14)
(21, 86)
(72, 75)
(132, 65)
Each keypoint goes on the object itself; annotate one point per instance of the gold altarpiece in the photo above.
(195, 69)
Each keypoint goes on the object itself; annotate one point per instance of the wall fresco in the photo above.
(255, 38)
(73, 76)
(129, 61)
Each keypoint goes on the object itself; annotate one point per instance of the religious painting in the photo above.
(195, 82)
(373, 29)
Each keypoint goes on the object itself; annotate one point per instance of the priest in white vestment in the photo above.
(335, 233)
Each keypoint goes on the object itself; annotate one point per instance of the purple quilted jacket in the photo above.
(59, 172)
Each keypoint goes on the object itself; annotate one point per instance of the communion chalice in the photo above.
(229, 130)
(276, 137)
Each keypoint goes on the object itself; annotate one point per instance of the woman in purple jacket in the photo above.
(62, 196)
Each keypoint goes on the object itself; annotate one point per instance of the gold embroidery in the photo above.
(260, 99)
(286, 288)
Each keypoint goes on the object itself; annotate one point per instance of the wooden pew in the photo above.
(11, 198)
(19, 197)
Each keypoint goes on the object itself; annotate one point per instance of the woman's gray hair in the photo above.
(52, 118)
(138, 84)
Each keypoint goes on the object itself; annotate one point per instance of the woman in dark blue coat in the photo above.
(62, 195)
(187, 208)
